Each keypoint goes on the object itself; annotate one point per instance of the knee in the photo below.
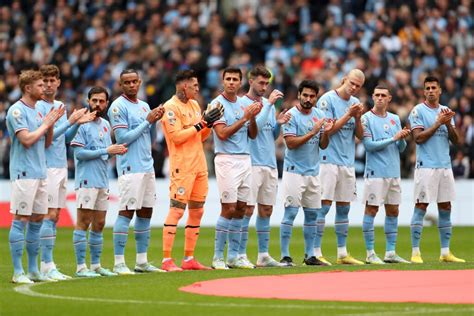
(445, 206)
(195, 215)
(371, 210)
(421, 206)
(265, 210)
(174, 215)
(98, 225)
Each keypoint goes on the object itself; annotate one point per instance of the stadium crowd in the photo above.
(394, 42)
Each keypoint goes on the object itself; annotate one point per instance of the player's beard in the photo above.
(306, 105)
(99, 112)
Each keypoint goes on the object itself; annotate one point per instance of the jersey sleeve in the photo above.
(223, 119)
(79, 140)
(17, 119)
(366, 126)
(415, 119)
(289, 129)
(117, 116)
(324, 104)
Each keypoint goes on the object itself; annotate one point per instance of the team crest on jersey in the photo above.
(181, 191)
(323, 105)
(386, 128)
(101, 135)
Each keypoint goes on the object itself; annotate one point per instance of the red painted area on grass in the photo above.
(429, 286)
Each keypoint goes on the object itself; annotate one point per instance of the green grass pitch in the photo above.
(158, 294)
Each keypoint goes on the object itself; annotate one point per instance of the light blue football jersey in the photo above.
(128, 115)
(303, 160)
(238, 143)
(26, 163)
(434, 153)
(384, 162)
(262, 148)
(93, 137)
(56, 156)
(341, 149)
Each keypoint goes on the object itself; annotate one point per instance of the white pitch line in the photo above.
(26, 289)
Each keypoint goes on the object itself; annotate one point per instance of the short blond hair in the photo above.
(28, 77)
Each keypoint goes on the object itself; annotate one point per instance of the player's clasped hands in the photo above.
(328, 125)
(212, 114)
(53, 116)
(252, 110)
(117, 149)
(403, 133)
(355, 110)
(445, 116)
(86, 117)
(155, 114)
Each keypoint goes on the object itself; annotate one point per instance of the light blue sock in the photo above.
(47, 239)
(80, 245)
(368, 230)
(244, 237)
(417, 226)
(16, 238)
(96, 241)
(234, 238)
(262, 225)
(142, 234)
(120, 234)
(309, 230)
(342, 224)
(320, 224)
(286, 228)
(444, 227)
(222, 230)
(391, 232)
(33, 245)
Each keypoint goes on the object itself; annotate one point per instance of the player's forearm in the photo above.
(262, 118)
(181, 136)
(61, 129)
(376, 145)
(339, 123)
(224, 132)
(253, 129)
(359, 129)
(293, 142)
(28, 139)
(453, 134)
(127, 137)
(71, 132)
(324, 141)
(276, 131)
(87, 154)
(421, 136)
(205, 134)
(49, 137)
(402, 145)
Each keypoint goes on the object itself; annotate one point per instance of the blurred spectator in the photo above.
(395, 42)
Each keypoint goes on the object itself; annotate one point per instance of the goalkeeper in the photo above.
(185, 130)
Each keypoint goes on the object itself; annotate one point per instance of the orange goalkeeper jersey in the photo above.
(184, 142)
